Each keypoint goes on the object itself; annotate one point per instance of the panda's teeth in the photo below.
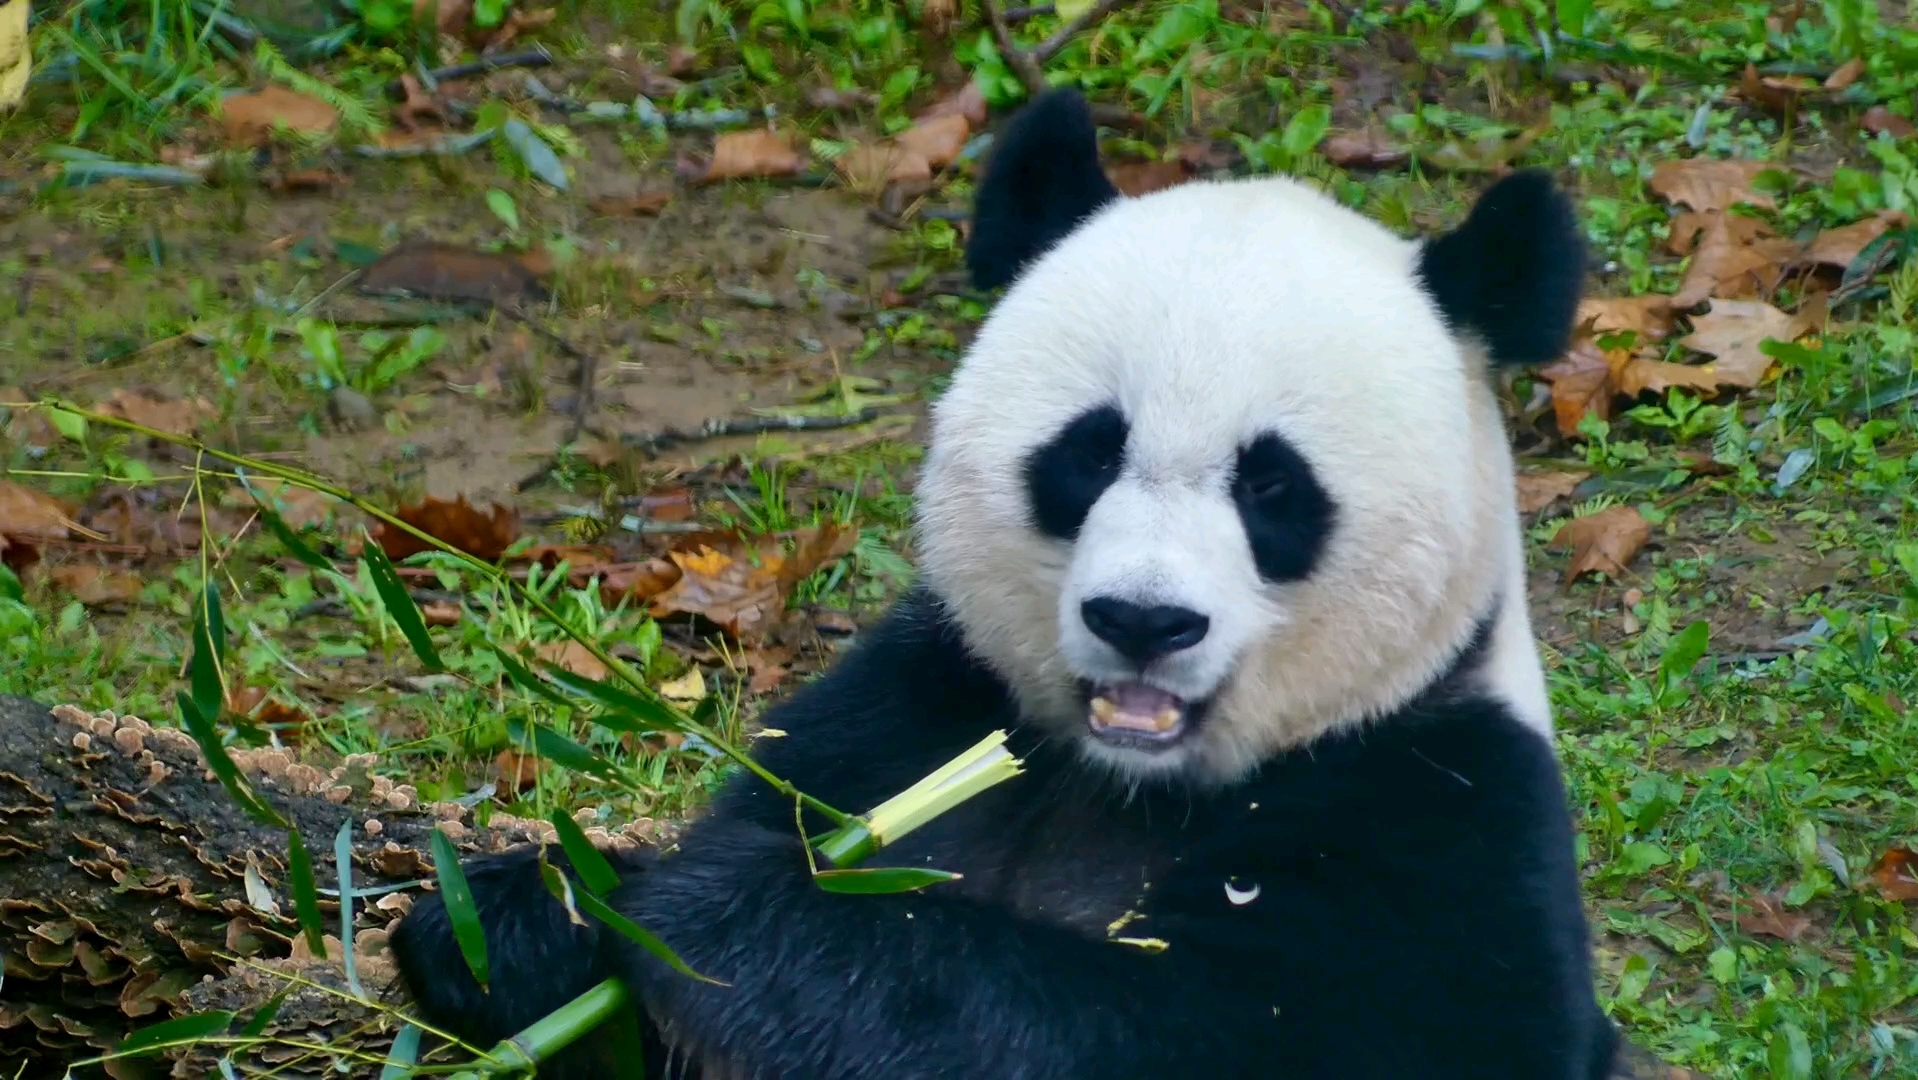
(1166, 720)
(1104, 709)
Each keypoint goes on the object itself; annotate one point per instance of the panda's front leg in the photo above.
(825, 986)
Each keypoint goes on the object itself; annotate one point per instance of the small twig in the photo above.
(484, 65)
(1021, 14)
(1017, 59)
(720, 427)
(1029, 65)
(584, 374)
(340, 609)
(1049, 48)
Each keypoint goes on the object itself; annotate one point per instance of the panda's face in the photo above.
(1215, 477)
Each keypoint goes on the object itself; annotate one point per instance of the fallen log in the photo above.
(133, 889)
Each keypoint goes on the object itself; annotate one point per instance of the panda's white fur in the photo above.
(1210, 313)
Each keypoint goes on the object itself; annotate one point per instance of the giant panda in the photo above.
(1217, 518)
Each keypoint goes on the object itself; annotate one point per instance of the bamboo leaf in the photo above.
(626, 928)
(641, 713)
(553, 746)
(201, 728)
(284, 533)
(880, 880)
(262, 1016)
(518, 673)
(401, 1058)
(180, 1029)
(209, 648)
(399, 604)
(306, 893)
(460, 909)
(343, 862)
(594, 871)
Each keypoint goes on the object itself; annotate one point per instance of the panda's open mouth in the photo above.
(1136, 715)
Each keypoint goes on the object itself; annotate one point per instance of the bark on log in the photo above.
(124, 894)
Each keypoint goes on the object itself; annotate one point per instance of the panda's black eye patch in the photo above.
(1069, 473)
(1287, 513)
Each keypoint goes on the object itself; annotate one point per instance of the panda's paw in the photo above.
(537, 959)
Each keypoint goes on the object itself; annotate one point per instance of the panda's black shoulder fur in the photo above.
(1396, 901)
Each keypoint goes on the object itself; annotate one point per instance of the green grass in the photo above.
(1705, 771)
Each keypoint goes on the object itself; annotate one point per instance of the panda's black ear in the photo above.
(1512, 273)
(1042, 179)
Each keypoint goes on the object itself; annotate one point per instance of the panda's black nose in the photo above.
(1141, 633)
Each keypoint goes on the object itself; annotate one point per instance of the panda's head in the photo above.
(1224, 469)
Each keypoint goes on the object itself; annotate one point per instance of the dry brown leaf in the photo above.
(936, 17)
(481, 534)
(574, 657)
(759, 152)
(440, 613)
(1841, 246)
(1724, 265)
(1137, 178)
(417, 103)
(450, 16)
(1687, 227)
(518, 21)
(968, 101)
(1895, 874)
(180, 417)
(306, 181)
(1640, 375)
(766, 679)
(1879, 120)
(95, 585)
(516, 771)
(299, 507)
(733, 594)
(1775, 92)
(938, 139)
(1540, 488)
(16, 554)
(814, 548)
(643, 203)
(1605, 542)
(1731, 334)
(283, 719)
(833, 99)
(1767, 917)
(1363, 150)
(1650, 317)
(32, 515)
(667, 505)
(638, 582)
(140, 520)
(1845, 74)
(242, 700)
(682, 60)
(436, 271)
(580, 559)
(1582, 384)
(868, 169)
(743, 592)
(251, 119)
(1708, 184)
